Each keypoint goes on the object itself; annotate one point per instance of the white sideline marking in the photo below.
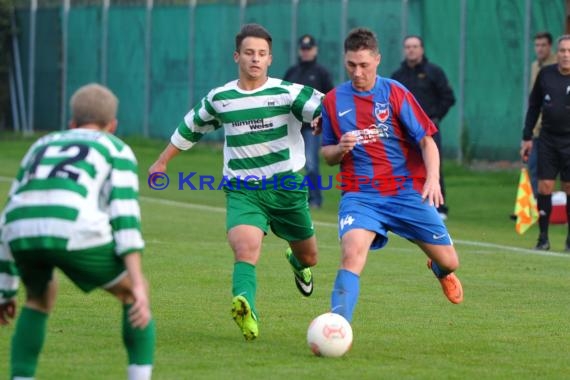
(194, 206)
(333, 225)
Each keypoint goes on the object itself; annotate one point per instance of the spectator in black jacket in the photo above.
(308, 72)
(428, 83)
(551, 96)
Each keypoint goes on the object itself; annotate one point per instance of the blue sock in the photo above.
(439, 273)
(345, 293)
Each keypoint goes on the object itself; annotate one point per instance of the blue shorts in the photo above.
(405, 215)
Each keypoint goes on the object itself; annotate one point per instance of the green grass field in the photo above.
(514, 322)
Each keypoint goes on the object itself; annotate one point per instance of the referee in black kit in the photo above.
(551, 96)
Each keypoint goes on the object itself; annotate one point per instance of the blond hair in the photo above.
(93, 104)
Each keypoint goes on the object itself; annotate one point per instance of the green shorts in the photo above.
(88, 269)
(285, 211)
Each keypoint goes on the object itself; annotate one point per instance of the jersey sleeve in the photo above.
(9, 279)
(534, 107)
(124, 209)
(328, 134)
(202, 119)
(410, 113)
(25, 166)
(306, 102)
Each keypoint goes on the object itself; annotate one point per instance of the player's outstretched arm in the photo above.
(139, 314)
(161, 163)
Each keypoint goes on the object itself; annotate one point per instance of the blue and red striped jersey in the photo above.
(389, 124)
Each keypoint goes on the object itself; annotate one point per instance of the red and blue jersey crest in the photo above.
(382, 112)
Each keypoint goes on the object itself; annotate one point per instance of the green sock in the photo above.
(27, 342)
(295, 263)
(139, 343)
(244, 282)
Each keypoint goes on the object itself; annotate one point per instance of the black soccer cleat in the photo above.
(542, 245)
(303, 278)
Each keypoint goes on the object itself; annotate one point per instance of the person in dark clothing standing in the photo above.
(428, 83)
(544, 57)
(308, 72)
(551, 96)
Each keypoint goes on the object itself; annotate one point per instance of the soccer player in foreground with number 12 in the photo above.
(73, 206)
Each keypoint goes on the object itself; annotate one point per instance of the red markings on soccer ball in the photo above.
(329, 335)
(315, 349)
(333, 332)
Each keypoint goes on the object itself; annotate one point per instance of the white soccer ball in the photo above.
(329, 335)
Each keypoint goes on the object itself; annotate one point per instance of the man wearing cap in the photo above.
(308, 72)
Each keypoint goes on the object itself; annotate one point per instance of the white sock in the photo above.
(139, 372)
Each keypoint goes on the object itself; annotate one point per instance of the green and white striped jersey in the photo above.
(262, 127)
(75, 190)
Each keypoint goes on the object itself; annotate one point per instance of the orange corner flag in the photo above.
(525, 206)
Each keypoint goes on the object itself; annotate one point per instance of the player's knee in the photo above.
(353, 259)
(39, 304)
(450, 263)
(246, 255)
(545, 187)
(42, 299)
(354, 251)
(246, 251)
(309, 258)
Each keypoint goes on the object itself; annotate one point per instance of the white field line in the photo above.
(193, 206)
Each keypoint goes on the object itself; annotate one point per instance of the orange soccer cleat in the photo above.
(451, 286)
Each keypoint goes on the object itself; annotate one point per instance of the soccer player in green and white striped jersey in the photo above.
(261, 118)
(74, 206)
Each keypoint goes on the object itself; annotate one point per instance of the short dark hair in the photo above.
(414, 36)
(541, 35)
(361, 38)
(252, 30)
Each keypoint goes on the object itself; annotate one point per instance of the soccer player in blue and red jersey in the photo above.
(375, 129)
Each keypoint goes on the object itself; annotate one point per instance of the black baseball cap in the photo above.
(307, 42)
